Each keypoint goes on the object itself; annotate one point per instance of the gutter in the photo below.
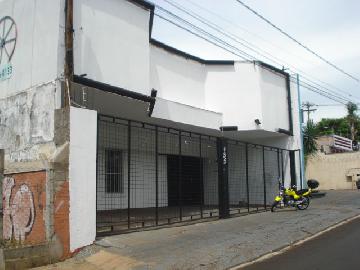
(118, 91)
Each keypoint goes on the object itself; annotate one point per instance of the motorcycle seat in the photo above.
(301, 191)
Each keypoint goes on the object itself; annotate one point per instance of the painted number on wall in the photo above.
(224, 156)
(6, 72)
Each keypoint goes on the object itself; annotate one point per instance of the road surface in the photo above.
(334, 250)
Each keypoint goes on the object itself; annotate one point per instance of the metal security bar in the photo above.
(149, 175)
(254, 174)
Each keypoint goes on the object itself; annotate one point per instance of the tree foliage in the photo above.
(310, 135)
(347, 126)
(352, 119)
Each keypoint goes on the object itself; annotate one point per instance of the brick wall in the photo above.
(61, 218)
(24, 201)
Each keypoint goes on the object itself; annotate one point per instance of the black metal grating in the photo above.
(149, 175)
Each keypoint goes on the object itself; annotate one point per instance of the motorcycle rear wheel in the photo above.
(274, 206)
(304, 205)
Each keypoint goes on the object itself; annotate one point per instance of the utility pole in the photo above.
(307, 105)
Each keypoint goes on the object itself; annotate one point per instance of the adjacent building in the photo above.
(105, 129)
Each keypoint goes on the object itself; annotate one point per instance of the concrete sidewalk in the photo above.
(217, 244)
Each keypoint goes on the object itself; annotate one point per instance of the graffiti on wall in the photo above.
(19, 212)
(22, 203)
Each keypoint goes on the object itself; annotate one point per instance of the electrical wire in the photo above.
(241, 54)
(250, 46)
(296, 41)
(305, 85)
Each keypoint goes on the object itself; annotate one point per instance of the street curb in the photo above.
(294, 244)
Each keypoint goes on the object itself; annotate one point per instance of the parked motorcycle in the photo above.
(291, 197)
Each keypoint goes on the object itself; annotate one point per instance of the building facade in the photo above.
(105, 129)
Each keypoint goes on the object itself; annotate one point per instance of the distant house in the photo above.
(330, 144)
(336, 165)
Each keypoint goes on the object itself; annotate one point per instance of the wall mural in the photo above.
(8, 38)
(19, 215)
(23, 200)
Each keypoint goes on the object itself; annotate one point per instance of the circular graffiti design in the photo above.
(8, 36)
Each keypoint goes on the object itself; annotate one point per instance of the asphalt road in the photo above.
(334, 250)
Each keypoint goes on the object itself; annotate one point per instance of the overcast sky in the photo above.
(329, 27)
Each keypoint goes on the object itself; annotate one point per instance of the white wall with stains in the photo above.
(82, 177)
(37, 56)
(27, 124)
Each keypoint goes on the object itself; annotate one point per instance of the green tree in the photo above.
(352, 119)
(310, 133)
(329, 126)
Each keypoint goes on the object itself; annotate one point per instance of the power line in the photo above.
(305, 85)
(296, 41)
(239, 52)
(331, 105)
(231, 23)
(250, 46)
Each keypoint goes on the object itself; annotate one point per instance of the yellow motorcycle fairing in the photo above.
(278, 199)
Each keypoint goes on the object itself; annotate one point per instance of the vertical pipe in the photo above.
(247, 176)
(201, 179)
(69, 51)
(97, 164)
(282, 167)
(301, 175)
(278, 164)
(264, 176)
(301, 152)
(180, 178)
(129, 168)
(156, 176)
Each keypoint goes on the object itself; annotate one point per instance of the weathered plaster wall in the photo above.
(331, 170)
(27, 128)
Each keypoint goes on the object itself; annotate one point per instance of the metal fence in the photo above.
(149, 175)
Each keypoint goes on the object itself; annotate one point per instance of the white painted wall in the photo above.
(234, 91)
(111, 43)
(241, 93)
(181, 113)
(82, 177)
(37, 58)
(176, 78)
(288, 142)
(274, 100)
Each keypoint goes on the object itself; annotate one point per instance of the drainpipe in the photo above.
(69, 52)
(302, 158)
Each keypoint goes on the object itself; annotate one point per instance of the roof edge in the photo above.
(271, 67)
(143, 3)
(189, 56)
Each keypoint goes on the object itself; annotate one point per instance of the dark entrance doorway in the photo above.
(185, 186)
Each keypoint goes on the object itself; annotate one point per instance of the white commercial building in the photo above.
(138, 133)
